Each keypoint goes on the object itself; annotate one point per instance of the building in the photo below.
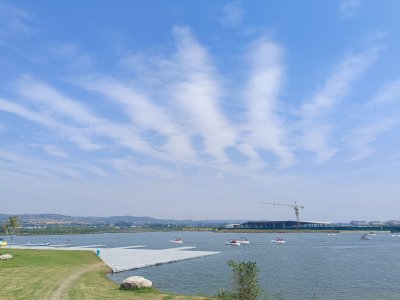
(358, 223)
(232, 226)
(283, 224)
(376, 223)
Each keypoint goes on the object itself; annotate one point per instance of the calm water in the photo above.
(308, 266)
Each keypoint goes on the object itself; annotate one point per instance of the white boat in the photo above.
(372, 233)
(332, 234)
(176, 241)
(243, 240)
(233, 243)
(38, 244)
(278, 241)
(365, 237)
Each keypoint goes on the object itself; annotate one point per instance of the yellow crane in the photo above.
(295, 207)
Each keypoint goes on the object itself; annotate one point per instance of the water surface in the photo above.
(308, 266)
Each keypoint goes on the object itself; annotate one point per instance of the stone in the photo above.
(6, 256)
(135, 282)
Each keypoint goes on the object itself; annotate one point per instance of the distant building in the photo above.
(232, 226)
(283, 224)
(392, 222)
(376, 223)
(359, 223)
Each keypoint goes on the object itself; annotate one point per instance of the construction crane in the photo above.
(295, 207)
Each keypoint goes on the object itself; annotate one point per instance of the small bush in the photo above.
(244, 280)
(225, 295)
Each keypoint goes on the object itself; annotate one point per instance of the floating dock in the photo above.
(121, 259)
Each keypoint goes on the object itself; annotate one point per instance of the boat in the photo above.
(3, 243)
(233, 243)
(372, 233)
(38, 244)
(243, 240)
(278, 241)
(365, 237)
(332, 234)
(176, 241)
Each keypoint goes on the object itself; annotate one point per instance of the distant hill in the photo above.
(58, 219)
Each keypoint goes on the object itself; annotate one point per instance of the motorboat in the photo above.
(365, 237)
(372, 233)
(332, 234)
(3, 243)
(278, 241)
(176, 241)
(38, 244)
(233, 243)
(243, 240)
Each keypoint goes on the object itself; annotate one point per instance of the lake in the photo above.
(308, 266)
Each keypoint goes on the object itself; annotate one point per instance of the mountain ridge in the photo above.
(60, 219)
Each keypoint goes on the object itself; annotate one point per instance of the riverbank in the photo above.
(59, 274)
(74, 230)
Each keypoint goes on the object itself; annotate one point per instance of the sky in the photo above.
(201, 109)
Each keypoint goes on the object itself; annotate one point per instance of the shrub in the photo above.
(244, 280)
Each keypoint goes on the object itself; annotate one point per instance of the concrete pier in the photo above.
(124, 259)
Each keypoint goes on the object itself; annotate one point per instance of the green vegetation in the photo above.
(92, 229)
(63, 274)
(244, 280)
(12, 226)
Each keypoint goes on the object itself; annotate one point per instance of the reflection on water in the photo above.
(308, 266)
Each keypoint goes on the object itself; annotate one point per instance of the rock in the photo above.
(135, 282)
(6, 256)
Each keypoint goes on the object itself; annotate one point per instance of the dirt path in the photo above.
(59, 293)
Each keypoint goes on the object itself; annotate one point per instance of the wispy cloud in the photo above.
(387, 94)
(360, 140)
(14, 22)
(144, 114)
(55, 151)
(265, 130)
(161, 125)
(197, 94)
(349, 8)
(91, 126)
(74, 134)
(17, 164)
(232, 15)
(340, 81)
(129, 166)
(313, 113)
(379, 116)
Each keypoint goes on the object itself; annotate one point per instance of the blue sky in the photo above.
(200, 108)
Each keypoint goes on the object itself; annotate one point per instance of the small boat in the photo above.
(233, 243)
(372, 233)
(176, 241)
(243, 240)
(365, 237)
(38, 245)
(278, 241)
(3, 243)
(332, 234)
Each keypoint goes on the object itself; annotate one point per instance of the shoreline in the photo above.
(356, 230)
(51, 274)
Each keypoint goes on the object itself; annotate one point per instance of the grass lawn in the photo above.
(55, 274)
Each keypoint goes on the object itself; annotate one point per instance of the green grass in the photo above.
(36, 274)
